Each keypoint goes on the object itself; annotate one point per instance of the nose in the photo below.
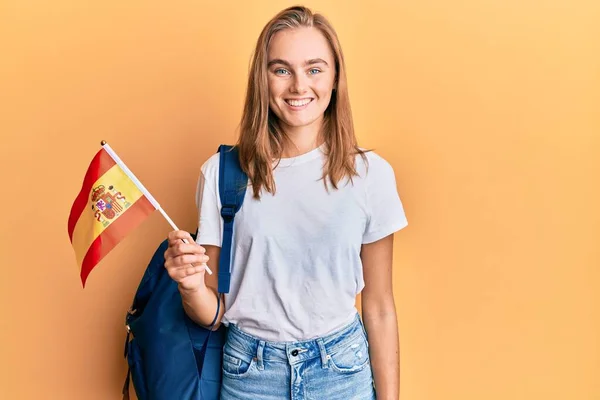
(299, 84)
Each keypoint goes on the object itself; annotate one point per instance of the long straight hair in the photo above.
(261, 137)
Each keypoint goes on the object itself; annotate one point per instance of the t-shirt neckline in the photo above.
(302, 158)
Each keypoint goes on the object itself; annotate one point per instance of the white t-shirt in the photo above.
(296, 267)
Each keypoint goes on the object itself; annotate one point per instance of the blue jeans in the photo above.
(333, 367)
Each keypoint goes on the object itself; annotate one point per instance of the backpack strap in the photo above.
(232, 189)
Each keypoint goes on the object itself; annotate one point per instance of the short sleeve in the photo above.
(384, 207)
(207, 200)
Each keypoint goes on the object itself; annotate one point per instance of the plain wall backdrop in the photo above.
(487, 110)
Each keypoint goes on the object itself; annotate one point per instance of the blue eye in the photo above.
(314, 71)
(281, 71)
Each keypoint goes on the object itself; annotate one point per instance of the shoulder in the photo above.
(207, 178)
(372, 164)
(210, 168)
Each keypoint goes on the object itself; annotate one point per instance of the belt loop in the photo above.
(324, 356)
(259, 355)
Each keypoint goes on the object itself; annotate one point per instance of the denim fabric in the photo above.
(333, 367)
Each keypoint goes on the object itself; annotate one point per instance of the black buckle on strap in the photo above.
(227, 212)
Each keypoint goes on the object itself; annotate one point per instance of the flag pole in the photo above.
(142, 188)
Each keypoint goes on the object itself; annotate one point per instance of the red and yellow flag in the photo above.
(109, 205)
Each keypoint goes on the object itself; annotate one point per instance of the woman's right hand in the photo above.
(186, 262)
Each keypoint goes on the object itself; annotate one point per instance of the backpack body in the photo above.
(169, 355)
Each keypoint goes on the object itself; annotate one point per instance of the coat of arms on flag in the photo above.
(108, 203)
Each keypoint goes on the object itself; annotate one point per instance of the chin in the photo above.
(298, 122)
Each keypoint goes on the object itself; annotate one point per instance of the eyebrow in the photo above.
(312, 61)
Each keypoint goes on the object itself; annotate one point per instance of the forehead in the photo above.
(300, 44)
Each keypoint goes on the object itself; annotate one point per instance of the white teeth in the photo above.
(298, 103)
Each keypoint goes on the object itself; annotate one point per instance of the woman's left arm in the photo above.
(379, 316)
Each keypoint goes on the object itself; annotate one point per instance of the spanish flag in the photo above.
(111, 203)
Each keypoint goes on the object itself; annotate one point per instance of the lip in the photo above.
(298, 108)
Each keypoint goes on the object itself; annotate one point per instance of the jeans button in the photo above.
(294, 353)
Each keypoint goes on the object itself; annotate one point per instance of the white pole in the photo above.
(142, 188)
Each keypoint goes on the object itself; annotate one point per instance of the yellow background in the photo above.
(487, 110)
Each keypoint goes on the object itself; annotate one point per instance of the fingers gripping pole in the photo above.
(170, 221)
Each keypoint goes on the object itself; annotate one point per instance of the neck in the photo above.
(302, 139)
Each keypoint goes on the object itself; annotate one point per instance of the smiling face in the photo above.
(301, 77)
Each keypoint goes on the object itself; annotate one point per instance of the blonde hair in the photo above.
(261, 138)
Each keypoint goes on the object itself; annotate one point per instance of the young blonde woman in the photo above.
(316, 229)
